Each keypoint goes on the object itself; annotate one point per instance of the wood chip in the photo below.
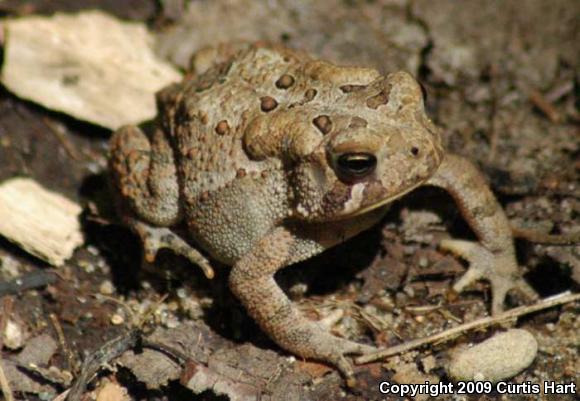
(111, 391)
(88, 65)
(41, 222)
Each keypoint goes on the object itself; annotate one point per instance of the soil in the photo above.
(502, 80)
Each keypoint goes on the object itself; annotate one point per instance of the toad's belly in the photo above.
(228, 222)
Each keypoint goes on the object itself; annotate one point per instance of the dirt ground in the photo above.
(503, 81)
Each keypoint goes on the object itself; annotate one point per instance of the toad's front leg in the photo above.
(493, 257)
(252, 281)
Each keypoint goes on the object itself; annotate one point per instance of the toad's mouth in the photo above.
(385, 201)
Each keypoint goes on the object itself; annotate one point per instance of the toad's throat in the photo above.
(385, 201)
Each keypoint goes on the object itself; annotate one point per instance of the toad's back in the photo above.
(234, 119)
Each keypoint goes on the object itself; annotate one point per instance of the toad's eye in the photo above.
(354, 166)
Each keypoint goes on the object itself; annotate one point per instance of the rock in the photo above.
(497, 358)
(15, 334)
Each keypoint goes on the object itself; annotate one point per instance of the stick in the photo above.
(476, 324)
(71, 364)
(539, 237)
(544, 106)
(106, 353)
(167, 350)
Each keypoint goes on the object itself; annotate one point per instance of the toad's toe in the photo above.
(499, 268)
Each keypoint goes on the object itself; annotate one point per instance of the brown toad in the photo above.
(271, 157)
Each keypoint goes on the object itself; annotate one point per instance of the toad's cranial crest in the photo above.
(270, 157)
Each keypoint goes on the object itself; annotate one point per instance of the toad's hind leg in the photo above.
(493, 257)
(144, 173)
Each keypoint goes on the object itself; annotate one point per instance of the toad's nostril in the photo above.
(415, 151)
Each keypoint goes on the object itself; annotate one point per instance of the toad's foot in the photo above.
(156, 238)
(500, 269)
(309, 340)
(493, 257)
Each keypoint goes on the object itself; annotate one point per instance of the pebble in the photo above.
(172, 323)
(117, 319)
(106, 287)
(87, 266)
(14, 335)
(500, 357)
(10, 267)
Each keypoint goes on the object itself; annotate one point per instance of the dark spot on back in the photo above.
(351, 88)
(285, 81)
(310, 94)
(357, 122)
(214, 75)
(268, 103)
(323, 123)
(381, 98)
(222, 128)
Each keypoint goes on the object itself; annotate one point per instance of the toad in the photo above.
(271, 157)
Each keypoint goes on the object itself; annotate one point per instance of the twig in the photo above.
(59, 132)
(114, 349)
(539, 237)
(476, 324)
(175, 354)
(27, 282)
(72, 366)
(544, 106)
(559, 91)
(103, 355)
(4, 383)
